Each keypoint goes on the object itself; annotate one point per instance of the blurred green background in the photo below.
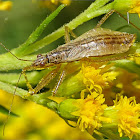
(35, 121)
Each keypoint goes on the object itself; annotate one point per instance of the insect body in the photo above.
(96, 42)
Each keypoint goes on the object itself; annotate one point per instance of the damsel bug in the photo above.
(94, 43)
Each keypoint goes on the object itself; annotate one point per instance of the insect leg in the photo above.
(68, 69)
(109, 14)
(104, 18)
(27, 82)
(45, 80)
(61, 78)
(67, 36)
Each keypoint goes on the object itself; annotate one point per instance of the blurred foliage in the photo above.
(35, 122)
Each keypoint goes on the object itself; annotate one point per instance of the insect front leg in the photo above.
(27, 82)
(25, 76)
(44, 81)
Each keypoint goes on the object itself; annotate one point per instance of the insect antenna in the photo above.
(127, 19)
(15, 87)
(11, 104)
(13, 54)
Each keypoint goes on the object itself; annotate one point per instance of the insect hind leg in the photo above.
(127, 19)
(109, 14)
(105, 18)
(67, 36)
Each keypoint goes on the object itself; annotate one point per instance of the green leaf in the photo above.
(33, 77)
(66, 108)
(37, 98)
(11, 89)
(43, 100)
(5, 111)
(128, 65)
(23, 49)
(9, 62)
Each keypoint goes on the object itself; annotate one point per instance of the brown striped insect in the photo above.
(97, 42)
(94, 43)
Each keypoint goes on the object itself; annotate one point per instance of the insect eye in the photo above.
(39, 55)
(42, 64)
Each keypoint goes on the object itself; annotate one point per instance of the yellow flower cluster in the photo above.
(61, 1)
(135, 7)
(35, 122)
(5, 5)
(130, 6)
(91, 108)
(128, 116)
(51, 4)
(92, 112)
(95, 78)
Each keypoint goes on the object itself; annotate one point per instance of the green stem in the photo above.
(43, 100)
(38, 98)
(33, 77)
(11, 89)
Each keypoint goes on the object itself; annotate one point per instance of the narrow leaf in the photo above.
(34, 36)
(5, 111)
(129, 66)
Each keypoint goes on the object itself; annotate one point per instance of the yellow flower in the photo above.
(128, 116)
(6, 5)
(62, 1)
(135, 7)
(136, 58)
(51, 4)
(131, 6)
(45, 2)
(95, 78)
(90, 112)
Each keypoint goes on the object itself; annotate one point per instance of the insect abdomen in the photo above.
(100, 42)
(109, 44)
